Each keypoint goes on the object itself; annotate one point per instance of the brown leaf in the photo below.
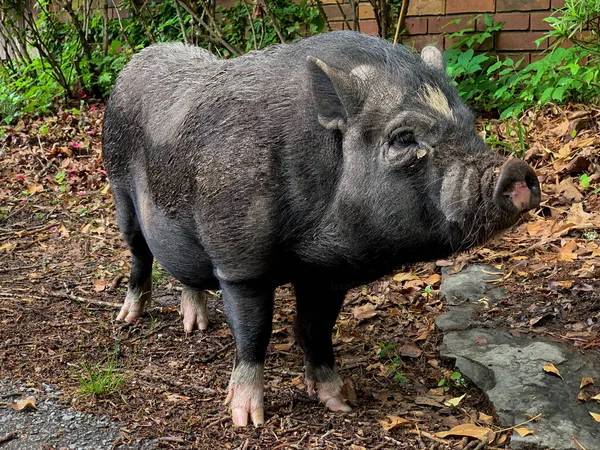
(551, 369)
(568, 189)
(454, 401)
(99, 285)
(364, 312)
(410, 350)
(522, 431)
(596, 397)
(470, 430)
(432, 279)
(25, 403)
(428, 401)
(390, 422)
(566, 253)
(283, 347)
(595, 416)
(585, 381)
(405, 276)
(35, 188)
(176, 398)
(485, 418)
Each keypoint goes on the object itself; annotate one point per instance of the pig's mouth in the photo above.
(517, 189)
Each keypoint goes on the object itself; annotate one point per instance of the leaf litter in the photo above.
(63, 269)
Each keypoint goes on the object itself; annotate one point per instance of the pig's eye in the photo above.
(403, 139)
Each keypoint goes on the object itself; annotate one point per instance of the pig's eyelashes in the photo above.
(403, 139)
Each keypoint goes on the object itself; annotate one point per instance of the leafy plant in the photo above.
(98, 380)
(577, 22)
(393, 362)
(456, 380)
(490, 83)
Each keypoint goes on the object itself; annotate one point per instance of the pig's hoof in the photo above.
(193, 310)
(246, 400)
(330, 394)
(131, 311)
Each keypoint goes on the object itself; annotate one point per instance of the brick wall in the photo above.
(427, 20)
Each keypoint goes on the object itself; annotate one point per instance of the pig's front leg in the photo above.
(317, 311)
(249, 313)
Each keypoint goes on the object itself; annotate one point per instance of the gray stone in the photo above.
(510, 371)
(471, 284)
(455, 318)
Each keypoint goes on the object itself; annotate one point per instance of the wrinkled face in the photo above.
(414, 165)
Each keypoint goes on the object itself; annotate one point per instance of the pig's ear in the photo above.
(433, 57)
(334, 93)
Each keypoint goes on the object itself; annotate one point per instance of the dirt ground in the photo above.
(63, 273)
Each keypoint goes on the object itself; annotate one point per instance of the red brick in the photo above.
(462, 6)
(537, 21)
(537, 56)
(426, 7)
(418, 42)
(515, 40)
(369, 27)
(444, 24)
(512, 21)
(366, 11)
(415, 25)
(333, 12)
(522, 5)
(558, 4)
(516, 57)
(337, 26)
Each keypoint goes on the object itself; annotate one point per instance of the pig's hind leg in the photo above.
(317, 311)
(193, 309)
(249, 313)
(139, 289)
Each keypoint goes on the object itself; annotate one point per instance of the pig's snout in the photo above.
(517, 187)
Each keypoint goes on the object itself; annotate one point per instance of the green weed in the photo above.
(99, 381)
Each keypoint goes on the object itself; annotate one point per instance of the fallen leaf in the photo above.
(595, 416)
(432, 279)
(582, 397)
(470, 430)
(585, 381)
(7, 246)
(566, 253)
(176, 398)
(364, 312)
(428, 401)
(405, 276)
(551, 369)
(596, 397)
(24, 403)
(410, 350)
(99, 285)
(35, 188)
(391, 422)
(454, 401)
(523, 431)
(283, 347)
(482, 417)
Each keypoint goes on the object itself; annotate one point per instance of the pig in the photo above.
(325, 163)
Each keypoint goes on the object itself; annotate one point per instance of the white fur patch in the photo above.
(436, 100)
(456, 197)
(363, 72)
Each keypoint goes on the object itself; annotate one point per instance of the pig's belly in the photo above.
(175, 246)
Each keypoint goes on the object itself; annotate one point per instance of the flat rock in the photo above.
(510, 370)
(471, 284)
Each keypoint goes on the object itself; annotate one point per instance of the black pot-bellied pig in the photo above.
(326, 163)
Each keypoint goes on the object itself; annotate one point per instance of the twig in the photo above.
(482, 444)
(519, 424)
(84, 300)
(217, 353)
(401, 19)
(10, 269)
(429, 436)
(271, 17)
(9, 437)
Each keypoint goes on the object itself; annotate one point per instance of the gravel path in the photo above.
(52, 426)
